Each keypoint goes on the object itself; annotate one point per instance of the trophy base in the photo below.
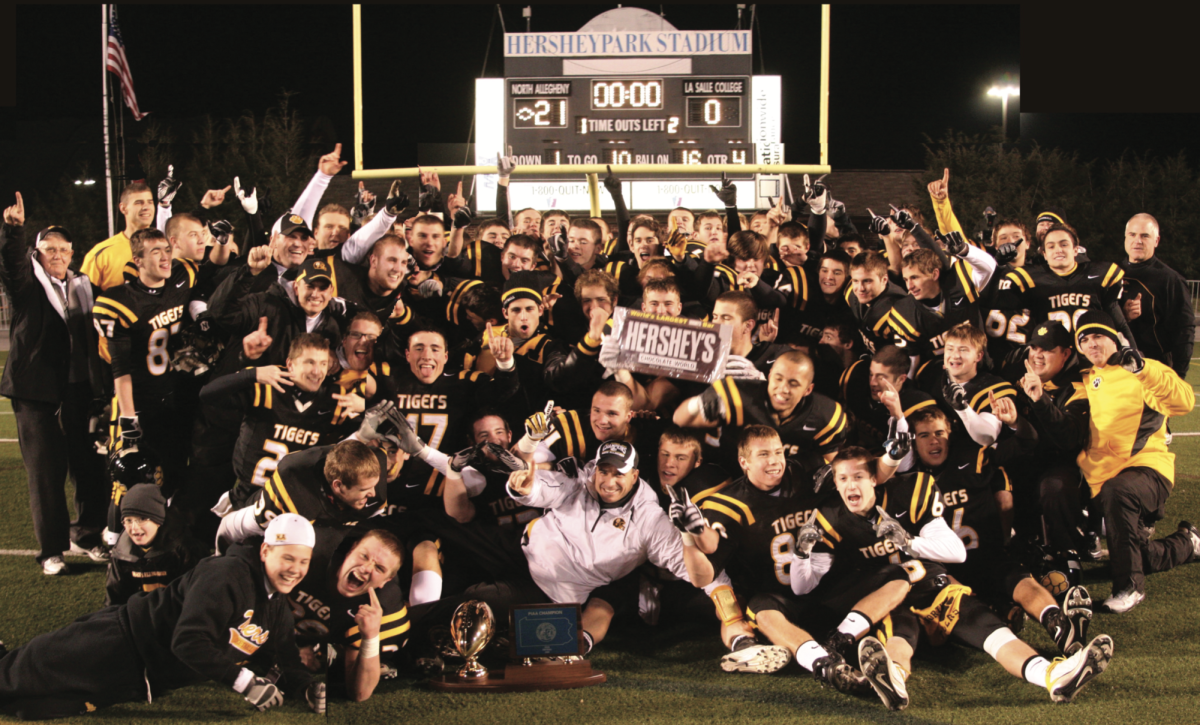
(539, 675)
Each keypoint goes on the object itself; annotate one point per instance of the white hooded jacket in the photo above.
(578, 546)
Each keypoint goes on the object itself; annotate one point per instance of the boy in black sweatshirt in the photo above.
(154, 549)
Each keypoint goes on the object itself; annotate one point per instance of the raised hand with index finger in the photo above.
(330, 164)
(14, 215)
(1031, 383)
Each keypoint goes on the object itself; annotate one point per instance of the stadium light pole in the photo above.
(1004, 92)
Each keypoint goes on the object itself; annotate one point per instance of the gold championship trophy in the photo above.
(546, 642)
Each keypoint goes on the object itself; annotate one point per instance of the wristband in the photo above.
(696, 407)
(511, 363)
(243, 681)
(688, 539)
(889, 461)
(370, 648)
(527, 445)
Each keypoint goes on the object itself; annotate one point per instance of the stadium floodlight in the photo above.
(1003, 92)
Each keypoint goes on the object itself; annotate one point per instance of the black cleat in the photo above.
(884, 676)
(833, 671)
(1077, 606)
(845, 645)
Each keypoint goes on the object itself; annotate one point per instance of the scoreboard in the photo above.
(628, 88)
(634, 120)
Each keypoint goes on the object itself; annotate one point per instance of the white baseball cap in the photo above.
(290, 529)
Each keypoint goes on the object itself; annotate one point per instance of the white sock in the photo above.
(855, 624)
(808, 653)
(1035, 671)
(426, 587)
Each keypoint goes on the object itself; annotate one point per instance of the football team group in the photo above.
(301, 442)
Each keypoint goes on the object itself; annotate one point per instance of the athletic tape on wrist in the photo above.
(370, 647)
(688, 539)
(527, 445)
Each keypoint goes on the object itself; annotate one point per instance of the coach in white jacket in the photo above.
(600, 525)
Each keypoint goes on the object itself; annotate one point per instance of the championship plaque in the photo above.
(545, 651)
(676, 347)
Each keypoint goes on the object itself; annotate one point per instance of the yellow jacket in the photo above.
(1128, 419)
(104, 264)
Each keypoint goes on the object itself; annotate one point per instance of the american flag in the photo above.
(117, 63)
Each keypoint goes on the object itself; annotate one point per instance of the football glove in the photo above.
(505, 165)
(409, 441)
(879, 224)
(249, 200)
(896, 448)
(465, 457)
(429, 289)
(430, 198)
(220, 230)
(397, 199)
(955, 244)
(262, 694)
(168, 187)
(890, 529)
(816, 194)
(711, 408)
(903, 219)
(314, 695)
(822, 477)
(1129, 359)
(381, 422)
(131, 430)
(1017, 357)
(740, 368)
(462, 218)
(685, 514)
(727, 193)
(807, 537)
(1006, 253)
(956, 395)
(610, 352)
(508, 461)
(558, 245)
(538, 426)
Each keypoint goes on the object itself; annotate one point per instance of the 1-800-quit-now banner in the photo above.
(676, 347)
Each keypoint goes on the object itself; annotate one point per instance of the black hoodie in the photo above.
(206, 623)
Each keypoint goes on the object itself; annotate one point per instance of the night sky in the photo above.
(897, 72)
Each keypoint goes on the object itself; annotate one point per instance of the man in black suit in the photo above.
(52, 377)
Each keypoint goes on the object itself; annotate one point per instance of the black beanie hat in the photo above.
(146, 501)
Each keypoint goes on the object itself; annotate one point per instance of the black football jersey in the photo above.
(968, 482)
(323, 615)
(493, 505)
(276, 424)
(298, 486)
(139, 329)
(932, 379)
(817, 425)
(873, 319)
(913, 499)
(870, 418)
(438, 412)
(1006, 321)
(1063, 297)
(758, 530)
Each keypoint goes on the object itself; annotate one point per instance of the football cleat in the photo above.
(1066, 677)
(1122, 602)
(757, 658)
(1077, 606)
(845, 645)
(885, 677)
(1186, 527)
(833, 671)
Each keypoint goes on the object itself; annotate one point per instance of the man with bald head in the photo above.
(811, 426)
(1158, 304)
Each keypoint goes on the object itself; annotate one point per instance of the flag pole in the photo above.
(107, 150)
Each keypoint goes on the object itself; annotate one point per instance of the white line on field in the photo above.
(8, 440)
(1181, 435)
(18, 552)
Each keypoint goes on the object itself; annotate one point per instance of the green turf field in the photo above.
(670, 673)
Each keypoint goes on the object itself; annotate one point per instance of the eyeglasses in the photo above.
(362, 335)
(53, 252)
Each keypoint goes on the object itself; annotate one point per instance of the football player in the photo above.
(811, 425)
(973, 484)
(879, 395)
(335, 485)
(961, 389)
(872, 527)
(872, 298)
(138, 323)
